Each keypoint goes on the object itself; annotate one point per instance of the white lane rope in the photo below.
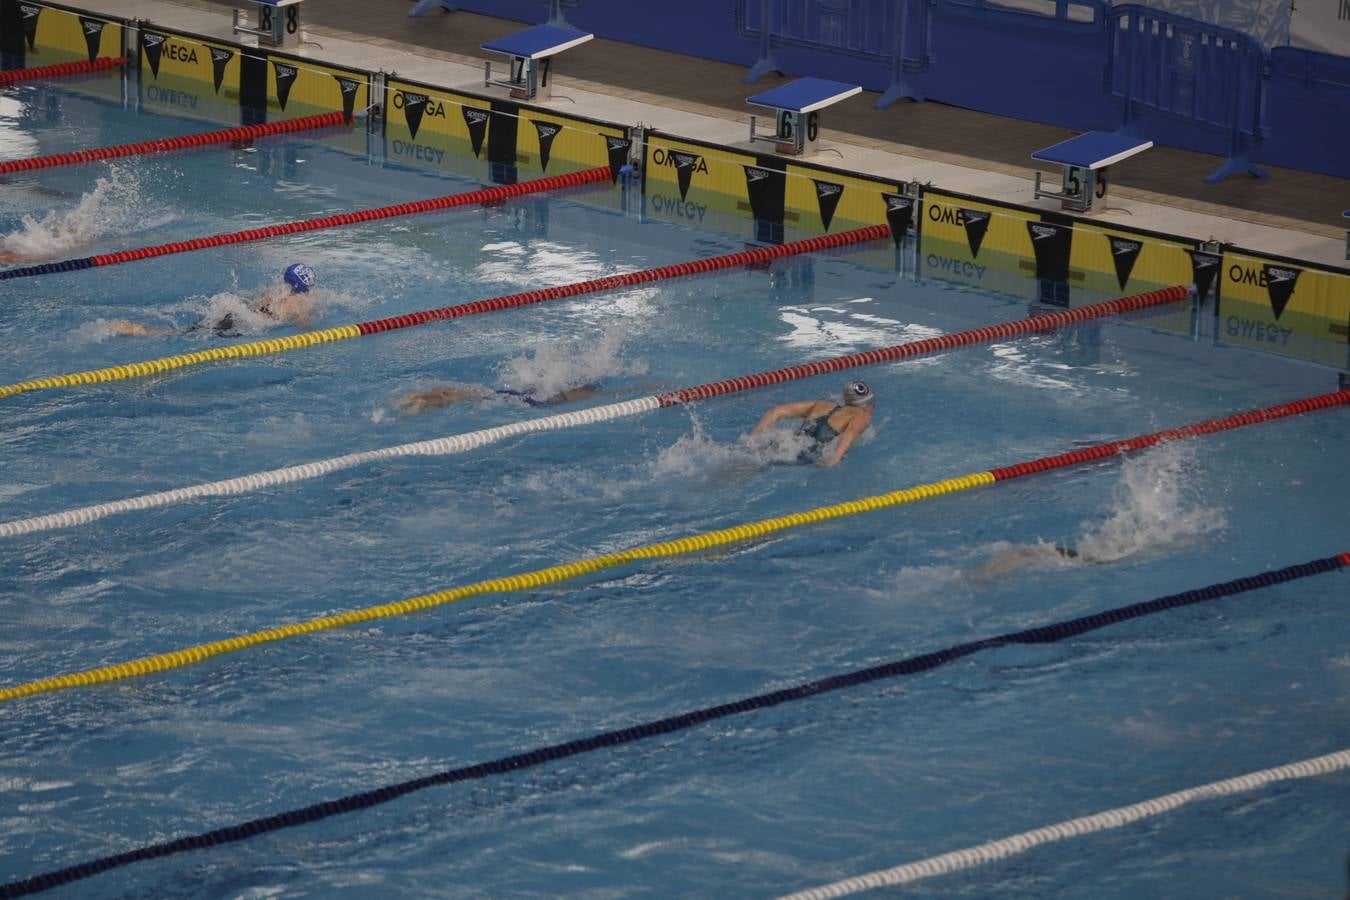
(1102, 821)
(460, 443)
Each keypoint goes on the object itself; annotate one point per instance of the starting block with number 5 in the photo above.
(1085, 160)
(278, 23)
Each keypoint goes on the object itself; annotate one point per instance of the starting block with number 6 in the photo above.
(278, 23)
(1085, 160)
(795, 105)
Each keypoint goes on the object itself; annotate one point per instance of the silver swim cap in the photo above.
(857, 393)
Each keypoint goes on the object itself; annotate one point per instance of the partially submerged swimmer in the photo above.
(1038, 555)
(832, 427)
(434, 398)
(284, 305)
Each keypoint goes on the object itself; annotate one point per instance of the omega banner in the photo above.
(966, 241)
(708, 186)
(187, 76)
(35, 35)
(441, 129)
(1285, 306)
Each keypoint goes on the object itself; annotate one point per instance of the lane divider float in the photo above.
(463, 443)
(755, 256)
(181, 142)
(914, 665)
(1119, 817)
(178, 659)
(1001, 331)
(482, 196)
(56, 70)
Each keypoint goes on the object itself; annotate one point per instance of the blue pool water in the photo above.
(749, 806)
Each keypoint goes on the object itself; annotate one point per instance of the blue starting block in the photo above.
(1085, 160)
(796, 105)
(278, 22)
(531, 51)
(422, 7)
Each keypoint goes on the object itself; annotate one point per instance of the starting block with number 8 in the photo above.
(1085, 160)
(278, 23)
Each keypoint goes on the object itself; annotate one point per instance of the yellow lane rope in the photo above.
(166, 363)
(178, 659)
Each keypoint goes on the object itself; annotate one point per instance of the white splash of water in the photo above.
(240, 309)
(1154, 508)
(554, 368)
(244, 319)
(699, 454)
(113, 207)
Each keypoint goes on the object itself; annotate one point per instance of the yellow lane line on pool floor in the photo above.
(552, 575)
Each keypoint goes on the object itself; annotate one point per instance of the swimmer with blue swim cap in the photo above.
(300, 277)
(289, 305)
(832, 427)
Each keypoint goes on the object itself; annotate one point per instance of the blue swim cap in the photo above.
(300, 277)
(857, 393)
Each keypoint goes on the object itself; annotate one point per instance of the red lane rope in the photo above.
(55, 70)
(1046, 322)
(628, 279)
(490, 195)
(1112, 448)
(164, 145)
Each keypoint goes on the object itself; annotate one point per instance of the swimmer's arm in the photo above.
(572, 395)
(783, 411)
(435, 398)
(304, 314)
(125, 328)
(286, 307)
(855, 427)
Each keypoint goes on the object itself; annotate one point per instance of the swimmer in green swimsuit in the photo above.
(832, 427)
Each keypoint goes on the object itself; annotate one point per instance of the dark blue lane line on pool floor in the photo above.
(1045, 634)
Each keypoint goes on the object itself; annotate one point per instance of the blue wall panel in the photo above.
(1024, 67)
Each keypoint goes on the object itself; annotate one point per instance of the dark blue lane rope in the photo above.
(68, 265)
(1044, 634)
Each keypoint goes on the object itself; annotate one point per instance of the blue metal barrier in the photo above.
(893, 33)
(1058, 14)
(555, 10)
(1202, 74)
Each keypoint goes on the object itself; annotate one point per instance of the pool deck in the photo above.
(1292, 213)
